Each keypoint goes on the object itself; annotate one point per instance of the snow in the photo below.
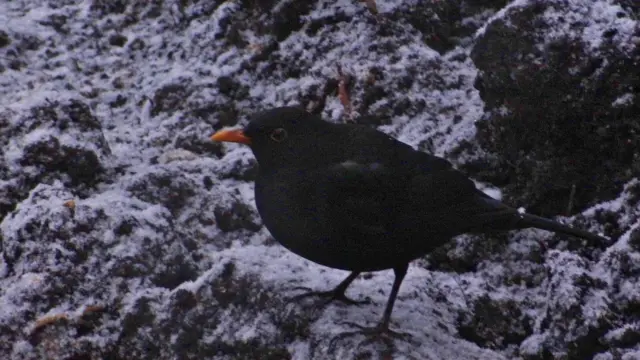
(623, 100)
(141, 144)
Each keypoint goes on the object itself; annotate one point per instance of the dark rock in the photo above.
(629, 338)
(196, 138)
(317, 24)
(226, 85)
(588, 345)
(153, 10)
(632, 7)
(117, 40)
(136, 320)
(634, 194)
(608, 220)
(118, 102)
(371, 95)
(207, 182)
(174, 272)
(105, 7)
(151, 242)
(136, 45)
(634, 239)
(289, 18)
(544, 354)
(164, 188)
(237, 216)
(10, 195)
(183, 301)
(441, 23)
(82, 166)
(469, 252)
(241, 169)
(5, 40)
(170, 98)
(77, 160)
(231, 88)
(218, 116)
(16, 64)
(58, 22)
(579, 138)
(125, 227)
(25, 42)
(495, 324)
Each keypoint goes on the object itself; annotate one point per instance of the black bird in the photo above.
(351, 197)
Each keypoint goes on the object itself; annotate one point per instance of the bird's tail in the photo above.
(528, 220)
(498, 216)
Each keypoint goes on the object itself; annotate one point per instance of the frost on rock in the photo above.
(126, 233)
(50, 141)
(561, 70)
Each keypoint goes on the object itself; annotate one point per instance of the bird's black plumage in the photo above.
(353, 198)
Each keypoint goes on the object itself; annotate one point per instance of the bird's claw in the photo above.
(340, 296)
(380, 332)
(301, 288)
(329, 296)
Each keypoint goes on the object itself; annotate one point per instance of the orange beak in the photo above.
(236, 136)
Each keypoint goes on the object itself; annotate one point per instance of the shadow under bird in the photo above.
(351, 197)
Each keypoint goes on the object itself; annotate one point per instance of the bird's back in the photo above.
(371, 203)
(354, 198)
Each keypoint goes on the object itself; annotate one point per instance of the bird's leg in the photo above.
(400, 273)
(338, 293)
(382, 329)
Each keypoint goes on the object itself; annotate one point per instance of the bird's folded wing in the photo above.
(373, 197)
(356, 194)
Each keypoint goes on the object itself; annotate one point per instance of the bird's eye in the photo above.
(278, 135)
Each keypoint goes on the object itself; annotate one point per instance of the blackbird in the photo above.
(351, 197)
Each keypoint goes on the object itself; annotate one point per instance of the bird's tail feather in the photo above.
(528, 220)
(495, 215)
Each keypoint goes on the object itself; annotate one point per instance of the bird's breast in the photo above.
(295, 212)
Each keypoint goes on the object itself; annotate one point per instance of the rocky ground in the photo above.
(127, 234)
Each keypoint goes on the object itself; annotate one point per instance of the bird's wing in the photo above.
(375, 198)
(381, 184)
(357, 196)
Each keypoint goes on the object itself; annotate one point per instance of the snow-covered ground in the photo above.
(127, 234)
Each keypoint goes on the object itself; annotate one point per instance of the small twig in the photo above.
(256, 47)
(464, 295)
(371, 5)
(572, 195)
(64, 317)
(542, 245)
(48, 320)
(71, 204)
(343, 93)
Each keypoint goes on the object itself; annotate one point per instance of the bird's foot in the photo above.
(380, 332)
(328, 296)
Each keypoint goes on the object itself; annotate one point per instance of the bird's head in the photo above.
(281, 137)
